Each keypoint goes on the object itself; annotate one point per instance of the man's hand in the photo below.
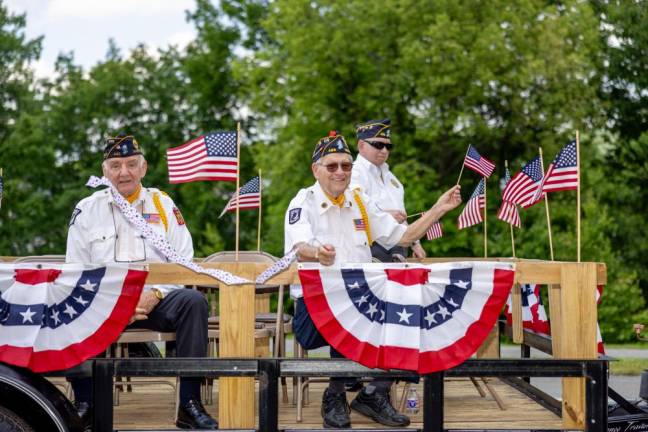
(418, 251)
(326, 254)
(400, 216)
(449, 200)
(144, 307)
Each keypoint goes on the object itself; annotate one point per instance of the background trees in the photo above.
(508, 77)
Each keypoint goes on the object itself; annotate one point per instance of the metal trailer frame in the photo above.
(268, 372)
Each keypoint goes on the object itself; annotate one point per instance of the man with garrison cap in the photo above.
(371, 173)
(332, 224)
(99, 233)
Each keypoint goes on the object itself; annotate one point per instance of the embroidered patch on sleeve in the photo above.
(294, 215)
(75, 213)
(178, 216)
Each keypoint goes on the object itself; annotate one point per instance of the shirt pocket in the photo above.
(102, 245)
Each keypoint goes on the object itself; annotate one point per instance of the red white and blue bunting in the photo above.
(56, 317)
(418, 317)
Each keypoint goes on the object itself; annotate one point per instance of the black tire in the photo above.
(10, 422)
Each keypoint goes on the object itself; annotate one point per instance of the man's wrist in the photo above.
(157, 293)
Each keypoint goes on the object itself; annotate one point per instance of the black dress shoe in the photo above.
(335, 410)
(192, 415)
(377, 406)
(85, 415)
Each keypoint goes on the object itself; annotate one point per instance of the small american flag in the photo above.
(359, 224)
(524, 185)
(435, 231)
(508, 211)
(208, 157)
(472, 214)
(562, 174)
(248, 198)
(477, 163)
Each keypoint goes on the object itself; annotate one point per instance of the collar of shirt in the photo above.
(378, 171)
(323, 203)
(143, 193)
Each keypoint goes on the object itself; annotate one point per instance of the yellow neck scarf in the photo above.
(131, 199)
(339, 201)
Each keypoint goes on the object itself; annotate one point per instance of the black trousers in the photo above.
(385, 255)
(183, 311)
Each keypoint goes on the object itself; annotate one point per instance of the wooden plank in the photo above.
(527, 271)
(516, 313)
(491, 346)
(236, 409)
(262, 345)
(555, 320)
(577, 334)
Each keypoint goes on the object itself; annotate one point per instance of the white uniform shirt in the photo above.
(312, 218)
(99, 233)
(379, 183)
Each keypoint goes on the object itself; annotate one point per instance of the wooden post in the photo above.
(491, 346)
(236, 395)
(238, 184)
(577, 334)
(516, 314)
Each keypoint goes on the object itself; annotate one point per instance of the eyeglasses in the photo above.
(333, 167)
(380, 145)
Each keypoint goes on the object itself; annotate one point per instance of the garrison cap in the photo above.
(333, 143)
(121, 146)
(374, 129)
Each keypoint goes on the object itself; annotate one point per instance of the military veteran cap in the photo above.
(374, 129)
(121, 146)
(333, 143)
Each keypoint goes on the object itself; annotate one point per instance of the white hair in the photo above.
(104, 164)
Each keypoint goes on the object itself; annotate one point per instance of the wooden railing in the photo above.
(572, 302)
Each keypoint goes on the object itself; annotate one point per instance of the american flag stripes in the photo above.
(472, 214)
(563, 173)
(478, 163)
(522, 188)
(208, 157)
(434, 232)
(248, 198)
(508, 211)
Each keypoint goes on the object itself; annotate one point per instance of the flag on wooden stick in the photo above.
(478, 163)
(209, 157)
(524, 185)
(248, 198)
(508, 211)
(434, 232)
(472, 213)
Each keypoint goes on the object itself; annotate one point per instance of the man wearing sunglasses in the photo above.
(99, 233)
(332, 224)
(371, 173)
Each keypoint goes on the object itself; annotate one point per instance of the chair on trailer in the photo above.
(273, 325)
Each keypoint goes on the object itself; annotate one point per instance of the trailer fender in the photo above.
(36, 400)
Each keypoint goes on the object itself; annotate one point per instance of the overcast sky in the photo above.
(84, 26)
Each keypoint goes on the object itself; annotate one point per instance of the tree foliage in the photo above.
(507, 77)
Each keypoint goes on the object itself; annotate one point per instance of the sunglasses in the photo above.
(333, 167)
(380, 145)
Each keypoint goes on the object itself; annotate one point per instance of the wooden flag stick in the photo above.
(463, 164)
(415, 214)
(546, 198)
(511, 225)
(260, 208)
(485, 222)
(238, 185)
(1, 192)
(578, 201)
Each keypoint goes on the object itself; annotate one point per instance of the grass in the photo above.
(628, 366)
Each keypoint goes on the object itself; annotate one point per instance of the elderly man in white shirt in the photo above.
(99, 233)
(371, 173)
(332, 224)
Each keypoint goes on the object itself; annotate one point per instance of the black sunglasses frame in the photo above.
(380, 145)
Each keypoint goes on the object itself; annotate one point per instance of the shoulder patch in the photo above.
(294, 215)
(75, 213)
(178, 216)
